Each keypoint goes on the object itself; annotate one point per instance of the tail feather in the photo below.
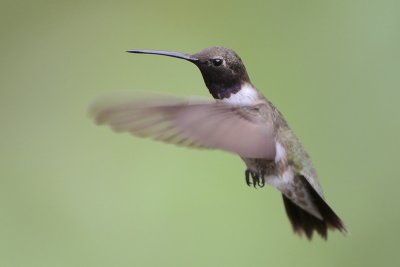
(304, 222)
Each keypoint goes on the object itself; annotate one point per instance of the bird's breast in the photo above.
(246, 96)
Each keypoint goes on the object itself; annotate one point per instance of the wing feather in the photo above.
(240, 130)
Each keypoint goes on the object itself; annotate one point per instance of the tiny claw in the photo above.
(247, 175)
(261, 182)
(255, 178)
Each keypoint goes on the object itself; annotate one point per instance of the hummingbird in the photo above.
(238, 120)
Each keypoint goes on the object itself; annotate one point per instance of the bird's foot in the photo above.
(256, 178)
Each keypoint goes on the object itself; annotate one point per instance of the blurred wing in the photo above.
(202, 124)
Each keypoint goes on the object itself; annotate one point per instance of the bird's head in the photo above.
(223, 70)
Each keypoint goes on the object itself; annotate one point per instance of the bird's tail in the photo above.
(304, 222)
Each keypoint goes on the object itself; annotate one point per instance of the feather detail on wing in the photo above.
(240, 130)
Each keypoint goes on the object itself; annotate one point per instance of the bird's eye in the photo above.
(217, 62)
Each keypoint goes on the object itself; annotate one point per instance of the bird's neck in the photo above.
(245, 96)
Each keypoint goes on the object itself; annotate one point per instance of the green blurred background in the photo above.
(75, 194)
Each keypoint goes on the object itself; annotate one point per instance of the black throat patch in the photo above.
(222, 91)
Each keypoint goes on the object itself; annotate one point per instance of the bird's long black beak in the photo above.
(166, 53)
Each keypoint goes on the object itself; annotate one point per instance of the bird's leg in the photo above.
(257, 178)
